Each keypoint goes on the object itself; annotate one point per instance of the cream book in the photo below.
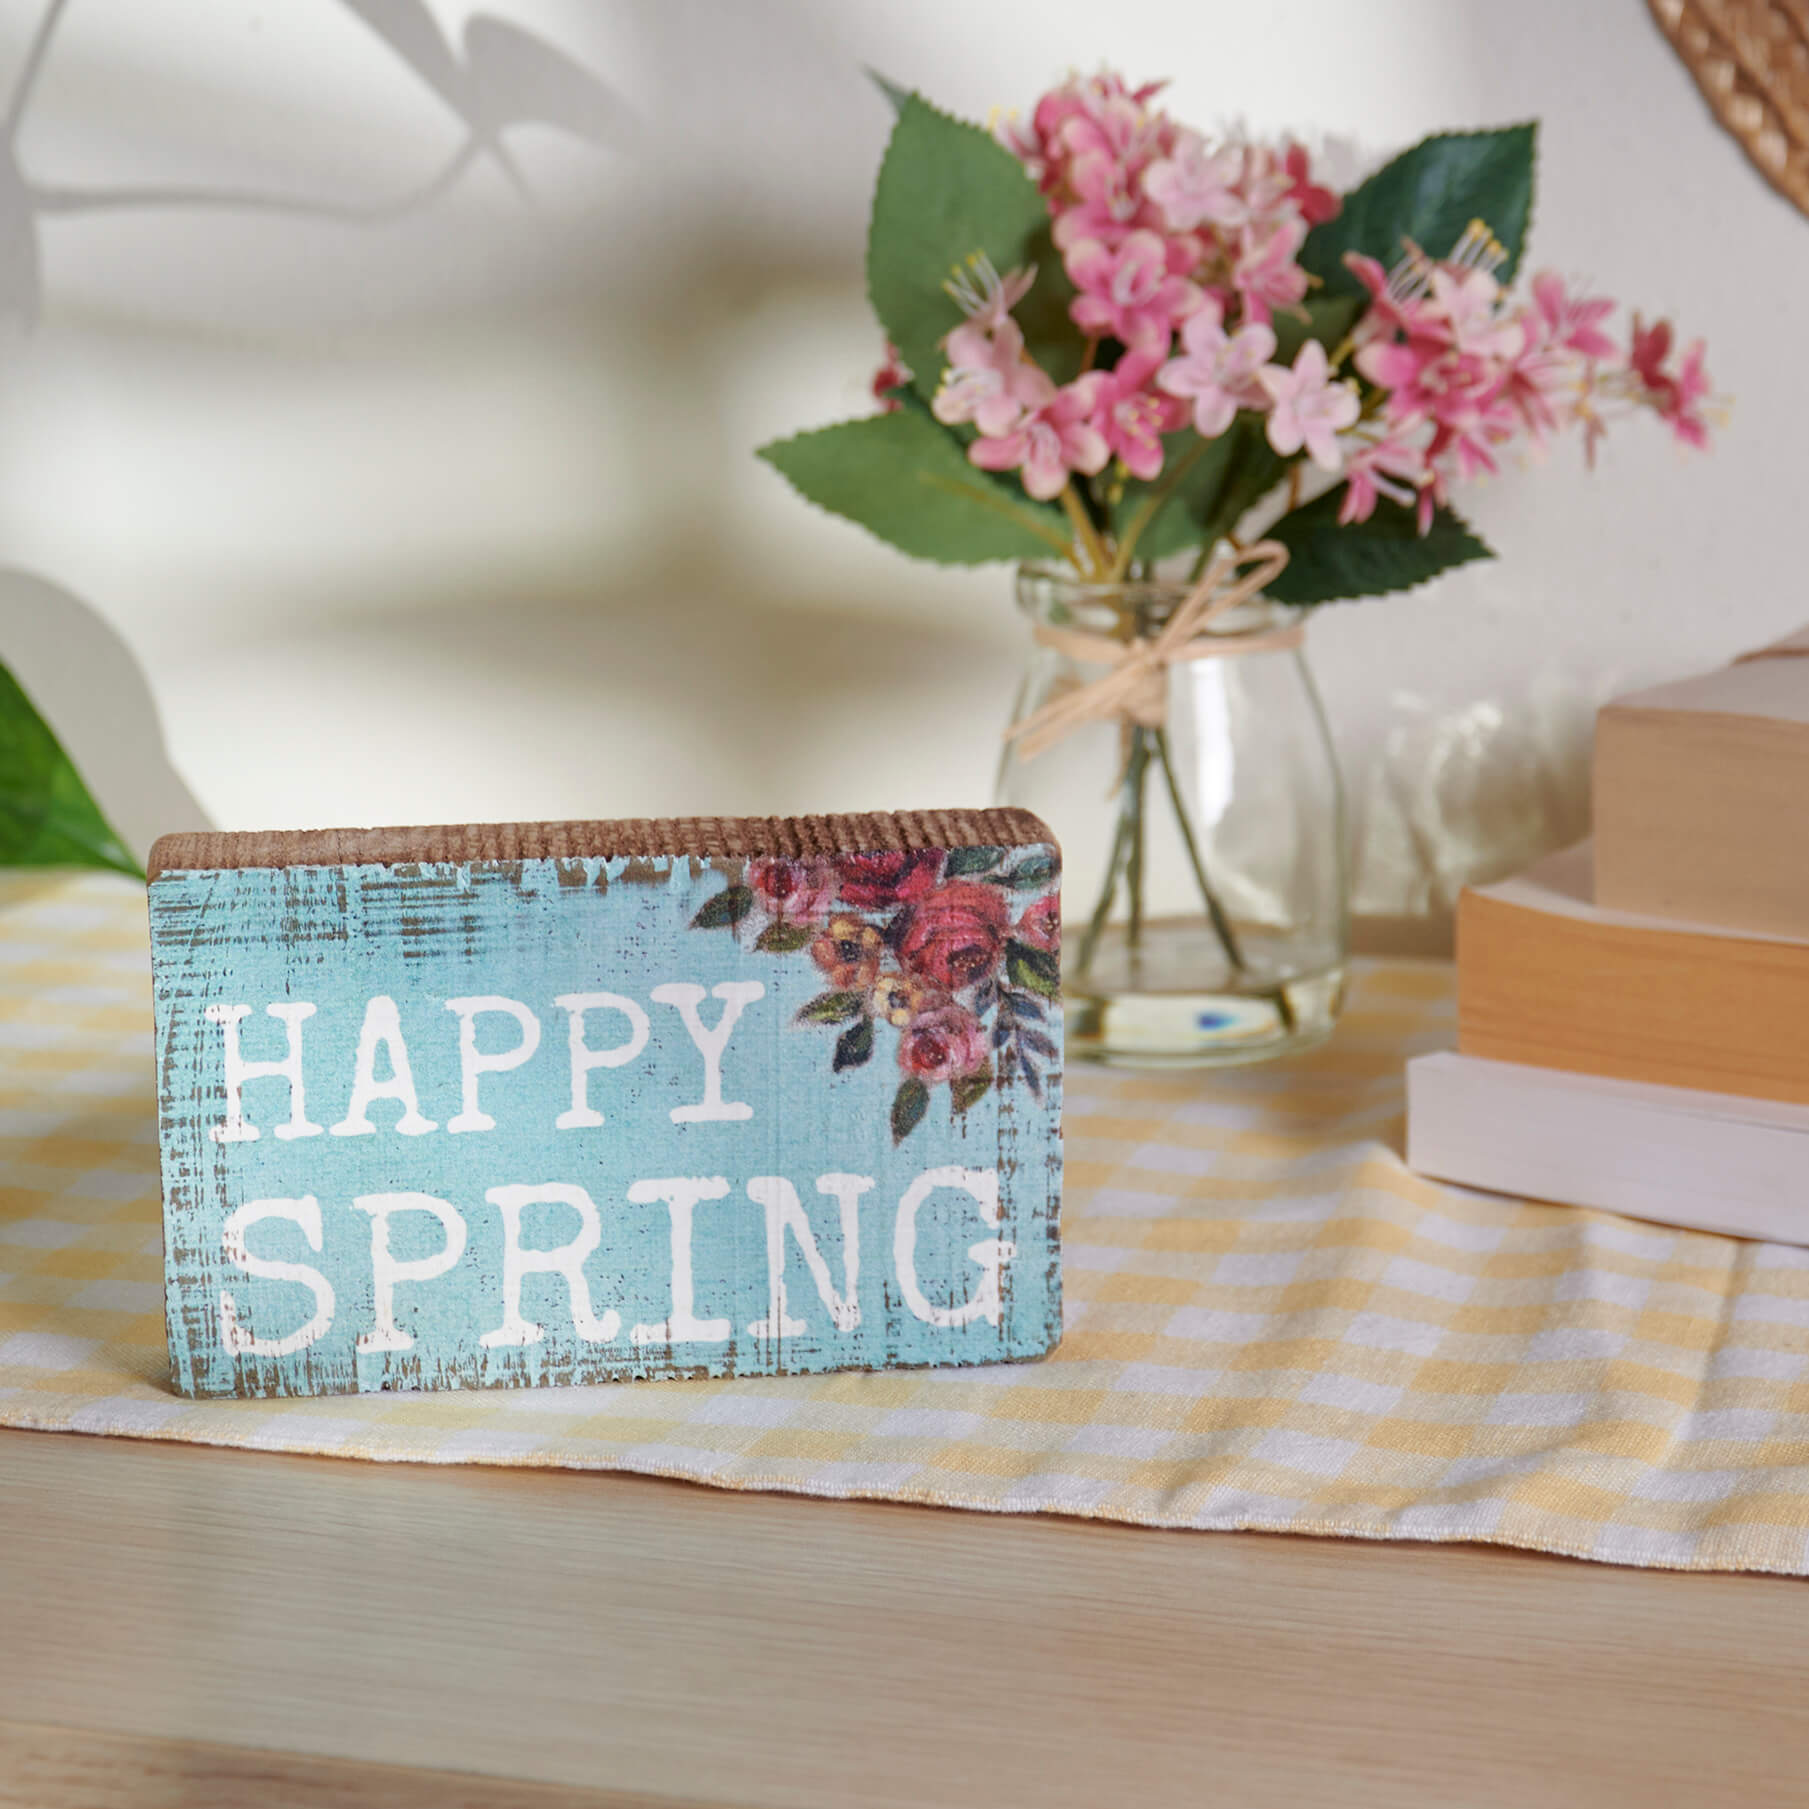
(1547, 977)
(1705, 1161)
(1702, 796)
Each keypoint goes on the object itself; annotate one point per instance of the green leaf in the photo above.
(854, 1046)
(909, 1104)
(782, 939)
(725, 910)
(1210, 484)
(968, 1090)
(946, 191)
(906, 478)
(891, 90)
(1034, 969)
(832, 1008)
(1430, 194)
(1033, 873)
(963, 862)
(47, 818)
(1328, 563)
(1328, 319)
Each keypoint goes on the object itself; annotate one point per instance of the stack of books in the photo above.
(1633, 1014)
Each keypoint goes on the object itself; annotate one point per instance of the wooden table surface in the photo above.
(189, 1626)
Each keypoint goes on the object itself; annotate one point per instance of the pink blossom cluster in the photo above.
(1183, 251)
(1161, 234)
(1463, 369)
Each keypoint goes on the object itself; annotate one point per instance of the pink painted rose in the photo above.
(874, 882)
(1041, 924)
(955, 934)
(942, 1044)
(793, 891)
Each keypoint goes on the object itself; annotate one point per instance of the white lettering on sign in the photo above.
(382, 1026)
(581, 1117)
(566, 1260)
(473, 1061)
(992, 1254)
(685, 996)
(304, 1212)
(785, 1213)
(776, 1196)
(386, 1270)
(681, 1194)
(235, 1129)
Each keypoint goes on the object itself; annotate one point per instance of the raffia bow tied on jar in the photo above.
(1171, 734)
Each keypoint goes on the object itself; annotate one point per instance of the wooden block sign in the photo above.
(575, 1102)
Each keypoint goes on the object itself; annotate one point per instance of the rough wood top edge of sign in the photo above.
(633, 837)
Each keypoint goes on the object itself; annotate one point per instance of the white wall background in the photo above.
(456, 516)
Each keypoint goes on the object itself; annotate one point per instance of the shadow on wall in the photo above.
(88, 686)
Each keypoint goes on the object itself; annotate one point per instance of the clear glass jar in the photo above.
(1204, 890)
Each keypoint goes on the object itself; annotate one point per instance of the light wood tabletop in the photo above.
(190, 1626)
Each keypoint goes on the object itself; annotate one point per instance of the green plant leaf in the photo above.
(963, 862)
(890, 89)
(1430, 194)
(854, 1047)
(1328, 319)
(909, 1104)
(725, 910)
(782, 939)
(832, 1008)
(947, 190)
(968, 1090)
(906, 478)
(47, 818)
(1034, 969)
(1328, 563)
(1210, 485)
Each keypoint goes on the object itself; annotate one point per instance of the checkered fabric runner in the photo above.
(1271, 1323)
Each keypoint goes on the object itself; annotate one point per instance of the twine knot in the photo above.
(1134, 689)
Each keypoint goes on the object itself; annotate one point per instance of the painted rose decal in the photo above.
(955, 950)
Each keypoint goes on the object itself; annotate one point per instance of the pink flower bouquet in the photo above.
(1114, 339)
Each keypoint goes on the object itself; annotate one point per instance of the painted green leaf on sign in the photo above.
(1430, 194)
(947, 191)
(47, 818)
(905, 477)
(1329, 564)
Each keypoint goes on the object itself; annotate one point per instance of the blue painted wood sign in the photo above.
(578, 1102)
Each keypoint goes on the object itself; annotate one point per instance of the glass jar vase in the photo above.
(1204, 891)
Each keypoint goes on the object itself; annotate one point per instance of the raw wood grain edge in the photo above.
(790, 838)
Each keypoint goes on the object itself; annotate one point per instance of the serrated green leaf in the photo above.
(891, 90)
(1328, 563)
(1034, 969)
(905, 478)
(782, 939)
(909, 1104)
(947, 190)
(1430, 194)
(47, 817)
(854, 1047)
(832, 1008)
(965, 862)
(968, 1090)
(725, 910)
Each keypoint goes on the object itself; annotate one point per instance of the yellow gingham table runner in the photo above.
(1270, 1322)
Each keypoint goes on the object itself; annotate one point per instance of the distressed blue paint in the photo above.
(337, 936)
